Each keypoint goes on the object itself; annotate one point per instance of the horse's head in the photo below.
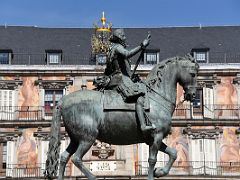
(187, 77)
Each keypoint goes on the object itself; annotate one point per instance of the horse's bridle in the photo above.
(172, 103)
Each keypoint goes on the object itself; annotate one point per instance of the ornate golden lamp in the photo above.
(100, 40)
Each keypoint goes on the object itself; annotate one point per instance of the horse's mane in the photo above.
(157, 72)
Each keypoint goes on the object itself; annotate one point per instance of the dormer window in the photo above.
(201, 57)
(101, 59)
(201, 54)
(151, 56)
(54, 57)
(5, 56)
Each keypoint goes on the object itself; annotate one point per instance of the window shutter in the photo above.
(196, 155)
(144, 153)
(210, 156)
(44, 150)
(208, 102)
(7, 104)
(10, 158)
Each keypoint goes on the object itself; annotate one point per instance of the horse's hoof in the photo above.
(159, 172)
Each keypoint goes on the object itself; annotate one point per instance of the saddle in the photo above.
(112, 100)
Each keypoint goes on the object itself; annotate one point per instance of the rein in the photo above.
(173, 104)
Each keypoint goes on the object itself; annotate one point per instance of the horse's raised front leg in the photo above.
(172, 153)
(153, 151)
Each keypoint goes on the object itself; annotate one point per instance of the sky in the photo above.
(122, 13)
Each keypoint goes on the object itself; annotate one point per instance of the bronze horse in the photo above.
(85, 119)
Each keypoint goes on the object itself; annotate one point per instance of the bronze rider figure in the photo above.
(119, 70)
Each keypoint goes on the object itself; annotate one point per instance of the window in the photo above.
(54, 57)
(5, 56)
(198, 103)
(203, 153)
(101, 59)
(51, 98)
(200, 54)
(151, 57)
(201, 57)
(7, 104)
(4, 155)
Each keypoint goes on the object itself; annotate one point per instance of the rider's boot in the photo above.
(140, 113)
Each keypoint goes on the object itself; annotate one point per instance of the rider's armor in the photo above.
(118, 70)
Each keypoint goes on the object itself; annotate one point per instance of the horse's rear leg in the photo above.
(65, 156)
(83, 147)
(172, 157)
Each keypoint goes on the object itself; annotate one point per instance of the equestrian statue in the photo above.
(123, 109)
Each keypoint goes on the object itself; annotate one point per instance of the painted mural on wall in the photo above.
(28, 93)
(178, 141)
(226, 98)
(181, 110)
(229, 146)
(90, 85)
(28, 99)
(27, 152)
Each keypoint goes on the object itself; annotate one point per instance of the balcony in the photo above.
(27, 171)
(194, 168)
(179, 169)
(208, 115)
(25, 116)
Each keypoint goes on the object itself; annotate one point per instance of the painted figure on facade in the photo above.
(87, 116)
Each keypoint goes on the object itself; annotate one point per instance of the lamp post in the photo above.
(100, 40)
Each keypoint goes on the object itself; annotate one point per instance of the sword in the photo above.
(139, 58)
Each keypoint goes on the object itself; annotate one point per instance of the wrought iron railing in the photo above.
(21, 113)
(25, 113)
(28, 170)
(183, 168)
(41, 59)
(211, 168)
(78, 58)
(187, 112)
(207, 111)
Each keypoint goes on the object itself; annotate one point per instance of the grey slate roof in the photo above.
(29, 44)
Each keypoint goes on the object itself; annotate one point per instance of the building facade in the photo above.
(40, 65)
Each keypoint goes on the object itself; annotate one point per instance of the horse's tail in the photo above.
(54, 144)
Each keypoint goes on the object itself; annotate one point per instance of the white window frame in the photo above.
(11, 148)
(54, 101)
(54, 58)
(7, 104)
(201, 56)
(203, 153)
(149, 57)
(9, 56)
(101, 59)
